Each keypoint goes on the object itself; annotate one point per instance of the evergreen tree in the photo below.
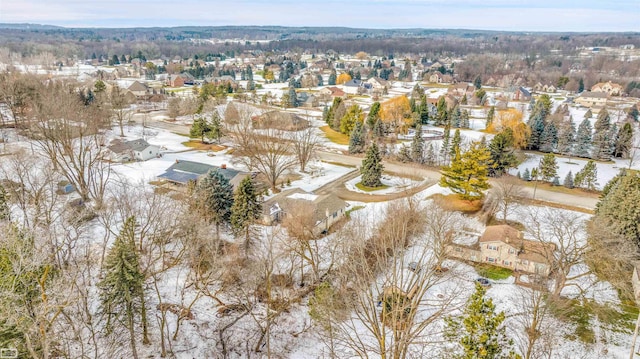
(467, 174)
(430, 156)
(320, 80)
(548, 167)
(566, 136)
(580, 85)
(480, 332)
(632, 113)
(356, 138)
(464, 119)
(245, 210)
(354, 114)
(200, 128)
(379, 130)
(583, 139)
(372, 167)
(215, 126)
(587, 177)
(215, 194)
(549, 139)
(417, 146)
(618, 206)
(5, 213)
(490, 115)
(373, 115)
(624, 140)
(325, 114)
(404, 154)
(445, 149)
(464, 101)
(537, 125)
(602, 142)
(455, 143)
(424, 111)
(526, 175)
(332, 78)
(441, 112)
(293, 98)
(477, 82)
(122, 289)
(556, 181)
(568, 180)
(454, 117)
(502, 153)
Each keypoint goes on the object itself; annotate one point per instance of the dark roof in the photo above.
(118, 146)
(137, 86)
(185, 171)
(353, 83)
(137, 145)
(524, 92)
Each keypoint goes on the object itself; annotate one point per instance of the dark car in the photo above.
(483, 282)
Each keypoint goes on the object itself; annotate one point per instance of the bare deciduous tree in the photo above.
(305, 143)
(505, 191)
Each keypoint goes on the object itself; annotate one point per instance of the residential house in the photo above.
(544, 88)
(332, 91)
(327, 209)
(135, 150)
(505, 246)
(185, 172)
(461, 89)
(378, 84)
(522, 94)
(356, 86)
(175, 81)
(280, 120)
(592, 99)
(138, 89)
(609, 88)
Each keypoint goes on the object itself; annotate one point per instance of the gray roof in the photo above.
(118, 146)
(137, 86)
(137, 145)
(185, 171)
(524, 91)
(321, 204)
(594, 94)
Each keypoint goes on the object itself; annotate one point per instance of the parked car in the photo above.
(483, 282)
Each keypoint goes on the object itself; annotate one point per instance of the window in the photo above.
(335, 214)
(492, 247)
(525, 262)
(458, 249)
(490, 260)
(512, 251)
(507, 263)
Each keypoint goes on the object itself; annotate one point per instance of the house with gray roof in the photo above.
(324, 210)
(134, 150)
(182, 172)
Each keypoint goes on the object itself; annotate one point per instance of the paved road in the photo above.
(433, 176)
(412, 170)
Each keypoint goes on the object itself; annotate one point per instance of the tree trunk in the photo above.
(143, 314)
(132, 333)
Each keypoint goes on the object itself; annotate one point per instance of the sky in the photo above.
(509, 15)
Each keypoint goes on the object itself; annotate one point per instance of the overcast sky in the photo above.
(519, 15)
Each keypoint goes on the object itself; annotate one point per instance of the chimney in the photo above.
(223, 166)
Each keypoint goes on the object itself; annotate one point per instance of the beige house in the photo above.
(378, 83)
(592, 99)
(505, 246)
(322, 211)
(608, 88)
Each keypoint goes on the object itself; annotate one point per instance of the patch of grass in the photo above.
(452, 202)
(338, 164)
(362, 187)
(352, 209)
(493, 221)
(203, 146)
(405, 175)
(335, 136)
(580, 313)
(562, 189)
(493, 272)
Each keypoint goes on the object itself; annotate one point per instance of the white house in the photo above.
(138, 150)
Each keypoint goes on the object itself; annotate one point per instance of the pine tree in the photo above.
(404, 154)
(372, 167)
(618, 206)
(373, 115)
(356, 139)
(293, 97)
(379, 130)
(490, 115)
(441, 112)
(502, 153)
(454, 117)
(566, 136)
(325, 114)
(200, 128)
(467, 174)
(456, 140)
(549, 139)
(215, 194)
(601, 136)
(332, 78)
(587, 177)
(624, 140)
(526, 175)
(568, 180)
(537, 125)
(583, 139)
(480, 332)
(122, 289)
(5, 213)
(477, 82)
(215, 126)
(430, 156)
(464, 119)
(548, 167)
(320, 80)
(556, 181)
(580, 85)
(245, 210)
(445, 149)
(417, 146)
(354, 114)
